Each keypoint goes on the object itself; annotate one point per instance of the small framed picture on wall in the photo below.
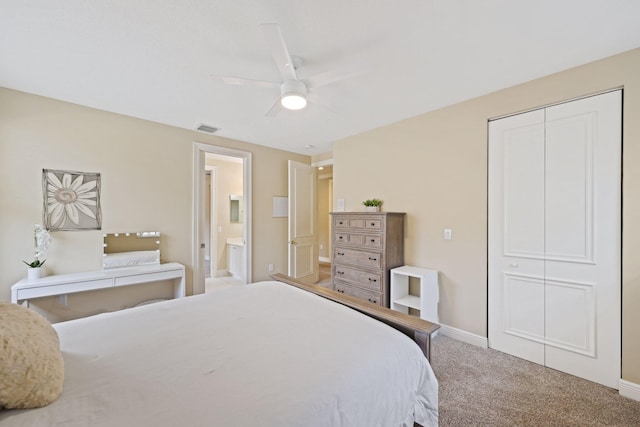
(71, 200)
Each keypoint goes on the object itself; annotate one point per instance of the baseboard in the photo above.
(463, 336)
(324, 259)
(629, 389)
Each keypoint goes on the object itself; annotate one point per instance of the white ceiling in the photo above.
(153, 59)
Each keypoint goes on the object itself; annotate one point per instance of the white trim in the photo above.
(324, 259)
(552, 104)
(629, 389)
(464, 336)
(199, 150)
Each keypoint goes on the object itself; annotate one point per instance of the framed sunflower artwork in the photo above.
(71, 200)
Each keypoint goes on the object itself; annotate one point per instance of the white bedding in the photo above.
(265, 354)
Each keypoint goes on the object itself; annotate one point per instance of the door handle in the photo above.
(293, 242)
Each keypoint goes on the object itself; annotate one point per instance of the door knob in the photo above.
(293, 242)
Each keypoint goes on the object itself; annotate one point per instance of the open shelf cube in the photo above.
(426, 302)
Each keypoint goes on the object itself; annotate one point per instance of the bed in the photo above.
(265, 354)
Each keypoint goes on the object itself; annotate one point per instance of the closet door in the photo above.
(516, 235)
(557, 207)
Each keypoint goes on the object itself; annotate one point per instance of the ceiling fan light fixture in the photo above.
(293, 94)
(292, 101)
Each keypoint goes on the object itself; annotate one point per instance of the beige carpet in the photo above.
(484, 387)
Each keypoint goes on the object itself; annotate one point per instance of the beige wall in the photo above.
(434, 167)
(146, 171)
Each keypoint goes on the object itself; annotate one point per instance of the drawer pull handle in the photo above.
(372, 280)
(373, 240)
(340, 223)
(373, 223)
(373, 259)
(340, 237)
(341, 253)
(340, 272)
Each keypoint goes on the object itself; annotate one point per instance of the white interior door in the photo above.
(303, 244)
(555, 236)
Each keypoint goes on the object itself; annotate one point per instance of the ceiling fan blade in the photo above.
(244, 82)
(275, 109)
(328, 77)
(279, 51)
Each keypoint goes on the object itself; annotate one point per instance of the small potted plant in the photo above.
(372, 205)
(42, 240)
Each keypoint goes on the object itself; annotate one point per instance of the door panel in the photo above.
(524, 187)
(523, 297)
(591, 278)
(570, 316)
(303, 252)
(516, 248)
(569, 188)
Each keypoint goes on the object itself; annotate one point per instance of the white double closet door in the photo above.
(554, 253)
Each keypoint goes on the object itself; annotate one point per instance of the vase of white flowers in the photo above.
(42, 240)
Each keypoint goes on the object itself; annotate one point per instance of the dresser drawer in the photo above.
(372, 281)
(359, 222)
(347, 289)
(364, 240)
(359, 258)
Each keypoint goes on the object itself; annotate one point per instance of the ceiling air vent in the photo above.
(206, 128)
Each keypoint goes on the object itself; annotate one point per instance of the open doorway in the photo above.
(223, 228)
(222, 217)
(324, 206)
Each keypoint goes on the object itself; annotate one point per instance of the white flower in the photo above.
(42, 239)
(68, 198)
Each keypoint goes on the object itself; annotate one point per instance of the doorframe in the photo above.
(199, 154)
(213, 217)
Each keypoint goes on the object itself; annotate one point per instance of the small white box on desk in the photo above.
(427, 302)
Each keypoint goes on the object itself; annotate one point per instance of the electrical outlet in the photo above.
(270, 268)
(447, 234)
(62, 300)
(321, 246)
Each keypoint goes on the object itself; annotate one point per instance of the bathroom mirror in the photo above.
(235, 208)
(130, 249)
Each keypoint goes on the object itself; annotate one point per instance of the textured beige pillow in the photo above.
(31, 364)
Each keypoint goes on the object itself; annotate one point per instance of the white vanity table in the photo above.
(62, 284)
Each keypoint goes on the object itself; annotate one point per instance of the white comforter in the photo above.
(265, 354)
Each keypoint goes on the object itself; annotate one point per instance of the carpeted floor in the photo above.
(484, 387)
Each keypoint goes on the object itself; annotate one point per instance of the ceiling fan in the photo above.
(293, 91)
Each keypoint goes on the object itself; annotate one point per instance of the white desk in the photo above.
(427, 302)
(62, 284)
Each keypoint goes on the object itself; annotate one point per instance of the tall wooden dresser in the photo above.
(366, 245)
